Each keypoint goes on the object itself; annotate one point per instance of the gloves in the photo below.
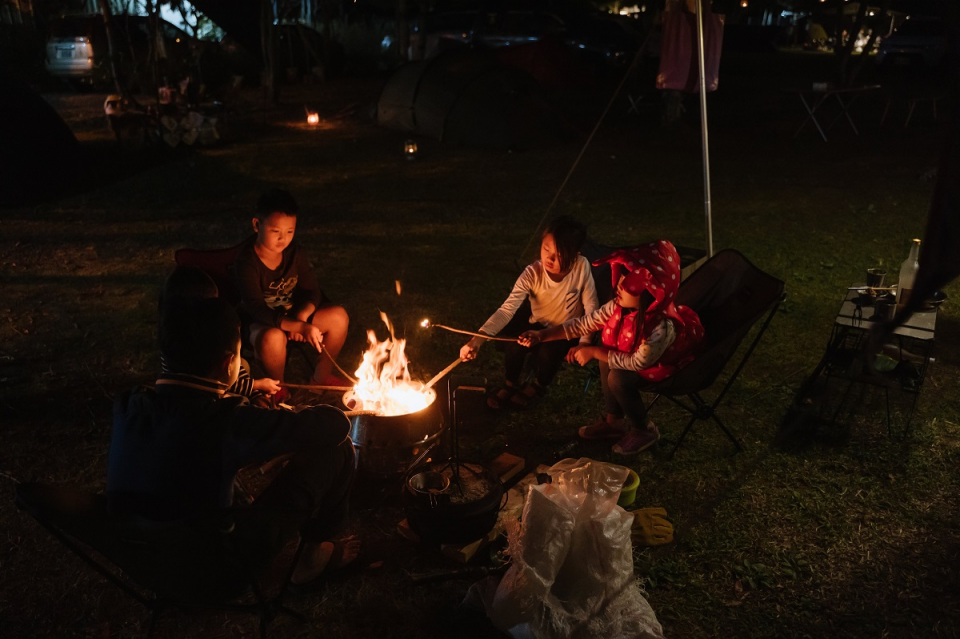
(651, 527)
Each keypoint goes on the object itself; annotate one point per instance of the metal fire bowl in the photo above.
(388, 445)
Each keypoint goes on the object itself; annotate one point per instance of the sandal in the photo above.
(335, 565)
(602, 429)
(500, 398)
(528, 395)
(637, 440)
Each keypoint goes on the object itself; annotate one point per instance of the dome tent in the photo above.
(464, 96)
(36, 141)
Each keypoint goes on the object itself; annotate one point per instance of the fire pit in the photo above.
(388, 444)
(399, 419)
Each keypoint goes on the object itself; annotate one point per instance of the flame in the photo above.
(425, 323)
(313, 118)
(383, 381)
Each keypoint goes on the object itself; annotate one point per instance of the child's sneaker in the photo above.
(637, 440)
(331, 380)
(602, 429)
(282, 396)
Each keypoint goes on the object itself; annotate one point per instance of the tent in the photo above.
(464, 96)
(38, 147)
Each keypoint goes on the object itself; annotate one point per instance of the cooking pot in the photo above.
(389, 444)
(463, 511)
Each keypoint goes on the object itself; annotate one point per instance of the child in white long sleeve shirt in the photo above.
(555, 289)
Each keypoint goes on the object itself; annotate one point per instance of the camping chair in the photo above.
(218, 264)
(730, 295)
(177, 564)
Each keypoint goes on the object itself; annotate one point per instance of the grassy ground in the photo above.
(853, 534)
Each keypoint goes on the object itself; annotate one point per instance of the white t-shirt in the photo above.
(552, 303)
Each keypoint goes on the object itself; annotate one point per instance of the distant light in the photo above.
(744, 3)
(313, 118)
(386, 42)
(410, 150)
(178, 39)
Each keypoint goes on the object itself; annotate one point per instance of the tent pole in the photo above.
(708, 211)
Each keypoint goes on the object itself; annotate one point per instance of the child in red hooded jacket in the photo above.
(646, 337)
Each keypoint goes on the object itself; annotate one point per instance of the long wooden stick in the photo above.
(436, 378)
(489, 337)
(316, 387)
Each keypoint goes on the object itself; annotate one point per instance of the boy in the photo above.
(280, 298)
(176, 449)
(186, 282)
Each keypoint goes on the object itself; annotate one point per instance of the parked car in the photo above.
(918, 41)
(77, 49)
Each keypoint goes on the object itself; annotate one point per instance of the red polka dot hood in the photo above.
(654, 268)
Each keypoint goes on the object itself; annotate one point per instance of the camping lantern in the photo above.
(313, 118)
(410, 150)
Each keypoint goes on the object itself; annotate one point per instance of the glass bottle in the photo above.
(908, 273)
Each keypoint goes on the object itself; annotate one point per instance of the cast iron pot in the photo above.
(388, 445)
(438, 517)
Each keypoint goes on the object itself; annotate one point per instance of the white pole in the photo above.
(708, 211)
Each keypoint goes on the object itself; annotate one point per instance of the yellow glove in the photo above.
(651, 527)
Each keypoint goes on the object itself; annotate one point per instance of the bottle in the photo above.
(908, 273)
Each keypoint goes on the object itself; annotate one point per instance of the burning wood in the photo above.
(383, 381)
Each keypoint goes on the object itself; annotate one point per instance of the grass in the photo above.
(854, 534)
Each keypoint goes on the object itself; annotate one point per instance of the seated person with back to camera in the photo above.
(175, 449)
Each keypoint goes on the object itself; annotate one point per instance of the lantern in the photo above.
(313, 118)
(410, 150)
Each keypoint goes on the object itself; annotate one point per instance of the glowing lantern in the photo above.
(313, 118)
(410, 150)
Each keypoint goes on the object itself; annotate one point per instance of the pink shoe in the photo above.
(601, 429)
(637, 440)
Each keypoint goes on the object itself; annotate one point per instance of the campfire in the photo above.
(383, 380)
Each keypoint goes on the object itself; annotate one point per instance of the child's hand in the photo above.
(529, 339)
(585, 354)
(469, 350)
(266, 385)
(312, 335)
(571, 357)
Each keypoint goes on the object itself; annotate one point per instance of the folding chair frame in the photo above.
(265, 609)
(701, 410)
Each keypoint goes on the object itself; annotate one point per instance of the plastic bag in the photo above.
(572, 562)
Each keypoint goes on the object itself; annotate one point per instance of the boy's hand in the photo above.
(266, 385)
(529, 339)
(312, 335)
(469, 350)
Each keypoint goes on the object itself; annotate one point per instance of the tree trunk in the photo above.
(111, 53)
(268, 40)
(844, 50)
(403, 30)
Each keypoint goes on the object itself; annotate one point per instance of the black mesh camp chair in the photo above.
(730, 295)
(195, 565)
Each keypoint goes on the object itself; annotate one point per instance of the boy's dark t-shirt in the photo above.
(267, 295)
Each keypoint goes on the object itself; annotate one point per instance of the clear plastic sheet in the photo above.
(572, 562)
